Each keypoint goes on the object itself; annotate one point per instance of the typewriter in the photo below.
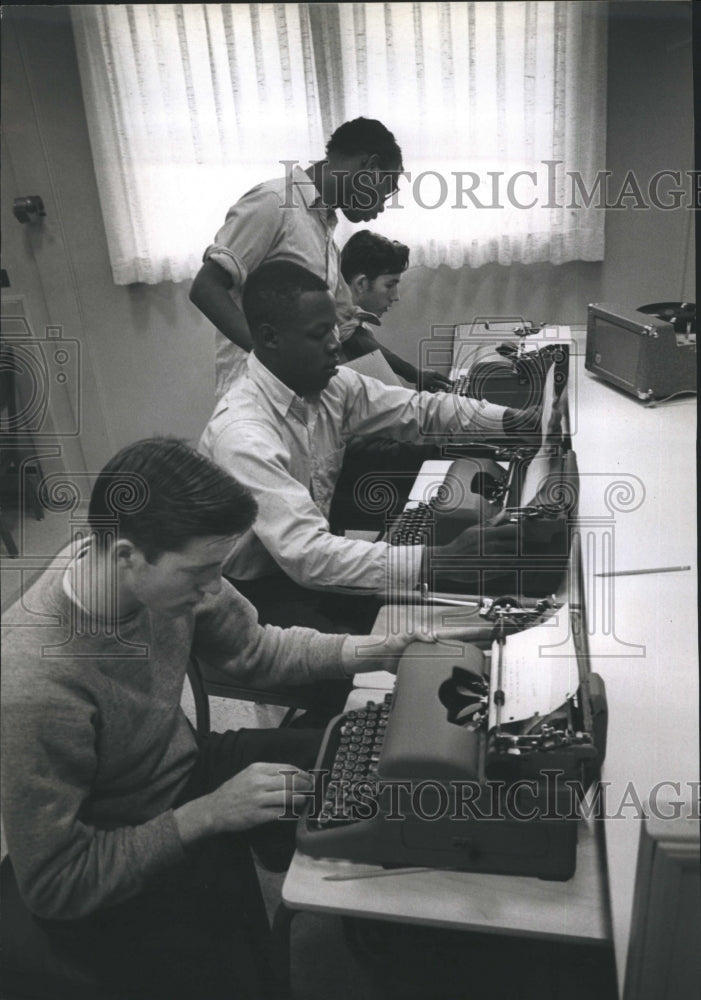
(534, 486)
(511, 373)
(474, 762)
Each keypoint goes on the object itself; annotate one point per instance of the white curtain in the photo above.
(188, 106)
(498, 108)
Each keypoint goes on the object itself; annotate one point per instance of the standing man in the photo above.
(293, 218)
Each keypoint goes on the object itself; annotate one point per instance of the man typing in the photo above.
(128, 835)
(283, 427)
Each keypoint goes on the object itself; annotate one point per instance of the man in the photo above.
(372, 267)
(293, 217)
(283, 426)
(128, 837)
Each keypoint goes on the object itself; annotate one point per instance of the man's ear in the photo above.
(268, 337)
(359, 284)
(370, 161)
(125, 553)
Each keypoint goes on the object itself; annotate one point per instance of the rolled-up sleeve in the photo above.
(292, 528)
(250, 234)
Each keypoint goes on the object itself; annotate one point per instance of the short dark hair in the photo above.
(163, 494)
(272, 291)
(370, 254)
(367, 135)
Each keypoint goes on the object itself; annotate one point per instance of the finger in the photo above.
(298, 802)
(428, 636)
(422, 633)
(276, 776)
(295, 776)
(302, 782)
(445, 633)
(275, 802)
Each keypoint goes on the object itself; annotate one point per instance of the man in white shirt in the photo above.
(282, 429)
(293, 217)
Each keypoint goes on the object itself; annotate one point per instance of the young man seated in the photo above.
(372, 267)
(128, 836)
(283, 428)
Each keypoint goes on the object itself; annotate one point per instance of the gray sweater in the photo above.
(95, 746)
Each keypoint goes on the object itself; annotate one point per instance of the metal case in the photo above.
(639, 353)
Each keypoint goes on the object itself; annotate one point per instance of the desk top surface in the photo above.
(572, 910)
(637, 511)
(502, 904)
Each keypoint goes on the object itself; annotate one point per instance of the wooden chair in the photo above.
(202, 689)
(287, 697)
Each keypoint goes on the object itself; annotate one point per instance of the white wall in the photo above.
(650, 254)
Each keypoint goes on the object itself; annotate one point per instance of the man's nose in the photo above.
(394, 295)
(334, 342)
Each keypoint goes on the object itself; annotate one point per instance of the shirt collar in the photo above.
(311, 197)
(367, 317)
(280, 395)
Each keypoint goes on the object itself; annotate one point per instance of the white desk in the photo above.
(642, 640)
(575, 910)
(527, 907)
(638, 510)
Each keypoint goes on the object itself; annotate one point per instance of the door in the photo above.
(57, 421)
(43, 295)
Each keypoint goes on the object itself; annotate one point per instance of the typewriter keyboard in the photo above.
(356, 759)
(460, 386)
(411, 527)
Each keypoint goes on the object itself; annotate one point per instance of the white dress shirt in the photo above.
(289, 450)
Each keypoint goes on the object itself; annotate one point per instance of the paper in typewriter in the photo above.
(539, 670)
(429, 479)
(540, 465)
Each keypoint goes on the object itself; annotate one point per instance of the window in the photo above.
(499, 109)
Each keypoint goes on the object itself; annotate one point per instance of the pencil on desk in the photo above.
(641, 572)
(374, 874)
